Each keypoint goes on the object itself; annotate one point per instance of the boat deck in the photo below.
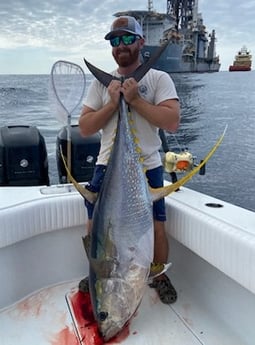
(212, 249)
(46, 317)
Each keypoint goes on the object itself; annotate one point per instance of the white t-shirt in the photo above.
(155, 87)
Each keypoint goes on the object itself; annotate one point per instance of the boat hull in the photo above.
(242, 62)
(173, 61)
(239, 68)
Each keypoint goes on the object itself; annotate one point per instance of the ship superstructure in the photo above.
(242, 62)
(190, 49)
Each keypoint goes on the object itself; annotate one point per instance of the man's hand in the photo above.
(130, 90)
(114, 90)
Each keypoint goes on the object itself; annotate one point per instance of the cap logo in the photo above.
(127, 24)
(120, 23)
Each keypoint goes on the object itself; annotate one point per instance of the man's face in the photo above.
(126, 55)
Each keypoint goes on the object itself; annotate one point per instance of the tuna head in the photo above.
(117, 301)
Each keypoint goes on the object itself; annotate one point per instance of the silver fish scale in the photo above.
(126, 185)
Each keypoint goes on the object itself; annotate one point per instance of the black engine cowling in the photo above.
(23, 157)
(84, 152)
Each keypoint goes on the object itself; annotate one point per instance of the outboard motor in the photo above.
(84, 152)
(23, 157)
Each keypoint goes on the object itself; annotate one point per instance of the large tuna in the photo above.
(122, 236)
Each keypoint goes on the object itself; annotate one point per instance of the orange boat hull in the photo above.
(239, 68)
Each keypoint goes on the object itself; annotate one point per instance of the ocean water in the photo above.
(209, 102)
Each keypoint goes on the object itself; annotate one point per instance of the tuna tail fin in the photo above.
(106, 78)
(159, 193)
(84, 192)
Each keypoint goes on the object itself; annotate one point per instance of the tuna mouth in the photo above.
(110, 332)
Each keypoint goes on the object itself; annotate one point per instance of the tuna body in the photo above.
(122, 237)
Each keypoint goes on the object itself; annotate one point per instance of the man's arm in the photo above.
(91, 121)
(165, 115)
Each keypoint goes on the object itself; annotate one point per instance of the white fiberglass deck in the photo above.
(212, 251)
(43, 318)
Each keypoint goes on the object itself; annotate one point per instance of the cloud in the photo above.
(64, 29)
(73, 29)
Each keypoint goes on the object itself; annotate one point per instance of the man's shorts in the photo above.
(155, 179)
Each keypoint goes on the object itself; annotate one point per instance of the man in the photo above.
(154, 104)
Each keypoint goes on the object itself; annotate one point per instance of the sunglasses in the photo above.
(125, 39)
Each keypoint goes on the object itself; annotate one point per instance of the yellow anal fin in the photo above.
(85, 193)
(159, 193)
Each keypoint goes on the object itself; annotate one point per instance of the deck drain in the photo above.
(213, 205)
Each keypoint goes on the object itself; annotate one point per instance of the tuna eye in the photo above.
(102, 316)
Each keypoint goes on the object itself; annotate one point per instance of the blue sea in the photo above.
(209, 102)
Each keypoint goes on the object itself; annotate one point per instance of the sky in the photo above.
(35, 34)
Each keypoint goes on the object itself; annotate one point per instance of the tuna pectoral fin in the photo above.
(159, 193)
(85, 193)
(103, 268)
(158, 269)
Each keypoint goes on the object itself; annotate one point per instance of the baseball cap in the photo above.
(127, 24)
